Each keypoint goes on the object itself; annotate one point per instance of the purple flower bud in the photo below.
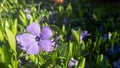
(28, 15)
(72, 63)
(65, 21)
(83, 34)
(27, 10)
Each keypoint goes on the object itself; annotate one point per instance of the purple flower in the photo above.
(34, 41)
(27, 10)
(83, 34)
(113, 50)
(65, 21)
(28, 15)
(117, 64)
(72, 63)
(105, 36)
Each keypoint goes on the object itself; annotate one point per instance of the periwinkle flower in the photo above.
(105, 36)
(54, 43)
(34, 41)
(27, 10)
(65, 21)
(113, 50)
(72, 63)
(116, 64)
(83, 34)
(28, 15)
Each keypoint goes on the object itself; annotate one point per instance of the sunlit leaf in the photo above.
(1, 35)
(14, 27)
(82, 63)
(75, 34)
(33, 58)
(11, 39)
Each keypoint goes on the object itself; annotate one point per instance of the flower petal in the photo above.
(46, 33)
(46, 45)
(84, 33)
(72, 63)
(34, 28)
(33, 48)
(25, 39)
(24, 48)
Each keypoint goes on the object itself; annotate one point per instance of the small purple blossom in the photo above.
(27, 10)
(54, 43)
(116, 64)
(113, 50)
(72, 63)
(28, 15)
(83, 34)
(65, 21)
(105, 36)
(34, 41)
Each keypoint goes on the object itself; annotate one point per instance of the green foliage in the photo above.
(92, 52)
(11, 39)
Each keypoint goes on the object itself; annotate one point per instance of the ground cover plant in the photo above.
(58, 34)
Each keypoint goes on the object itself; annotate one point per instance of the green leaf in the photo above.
(76, 35)
(63, 28)
(33, 58)
(56, 28)
(57, 66)
(10, 66)
(54, 57)
(61, 9)
(14, 62)
(69, 8)
(82, 63)
(99, 60)
(70, 49)
(11, 39)
(24, 21)
(23, 18)
(1, 35)
(14, 27)
(109, 35)
(22, 14)
(6, 55)
(63, 50)
(1, 55)
(41, 59)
